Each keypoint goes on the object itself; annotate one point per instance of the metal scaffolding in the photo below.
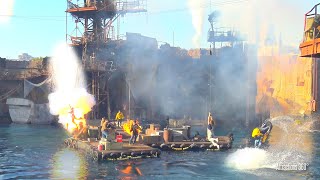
(93, 30)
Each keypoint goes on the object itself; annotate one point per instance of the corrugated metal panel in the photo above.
(289, 78)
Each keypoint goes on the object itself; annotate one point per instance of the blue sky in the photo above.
(38, 25)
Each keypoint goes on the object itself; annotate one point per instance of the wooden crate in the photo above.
(111, 145)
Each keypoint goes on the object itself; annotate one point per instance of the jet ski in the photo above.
(260, 135)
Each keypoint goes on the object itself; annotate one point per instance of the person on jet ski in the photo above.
(260, 135)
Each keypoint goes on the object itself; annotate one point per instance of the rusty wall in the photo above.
(284, 85)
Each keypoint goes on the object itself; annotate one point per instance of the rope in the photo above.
(9, 93)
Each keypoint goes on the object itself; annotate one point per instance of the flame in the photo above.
(70, 100)
(71, 108)
(71, 121)
(127, 127)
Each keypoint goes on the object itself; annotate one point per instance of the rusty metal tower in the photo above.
(92, 32)
(310, 47)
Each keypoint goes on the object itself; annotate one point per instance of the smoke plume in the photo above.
(197, 13)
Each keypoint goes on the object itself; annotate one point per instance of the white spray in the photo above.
(294, 151)
(197, 13)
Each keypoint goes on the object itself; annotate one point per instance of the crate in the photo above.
(111, 145)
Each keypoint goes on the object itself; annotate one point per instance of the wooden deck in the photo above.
(127, 152)
(224, 142)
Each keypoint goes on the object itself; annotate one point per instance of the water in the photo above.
(36, 152)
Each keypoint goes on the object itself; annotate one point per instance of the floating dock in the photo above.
(126, 152)
(179, 139)
(224, 142)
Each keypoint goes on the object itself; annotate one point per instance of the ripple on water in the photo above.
(47, 160)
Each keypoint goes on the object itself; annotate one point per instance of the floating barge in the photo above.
(179, 139)
(224, 142)
(126, 152)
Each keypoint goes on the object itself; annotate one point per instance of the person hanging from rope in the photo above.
(210, 131)
(73, 117)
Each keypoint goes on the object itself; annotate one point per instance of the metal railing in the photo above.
(223, 35)
(131, 5)
(121, 5)
(97, 65)
(311, 17)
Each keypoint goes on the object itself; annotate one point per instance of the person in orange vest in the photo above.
(119, 118)
(260, 134)
(106, 126)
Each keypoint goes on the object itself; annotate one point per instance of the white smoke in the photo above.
(254, 20)
(6, 10)
(197, 12)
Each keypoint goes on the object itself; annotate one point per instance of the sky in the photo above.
(37, 26)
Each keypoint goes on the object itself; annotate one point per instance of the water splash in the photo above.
(288, 145)
(69, 87)
(248, 158)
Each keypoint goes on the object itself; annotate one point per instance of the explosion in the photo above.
(70, 100)
(71, 107)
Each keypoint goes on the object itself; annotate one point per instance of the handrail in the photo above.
(312, 8)
(308, 14)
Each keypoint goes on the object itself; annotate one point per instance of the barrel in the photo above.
(167, 135)
(100, 147)
(119, 138)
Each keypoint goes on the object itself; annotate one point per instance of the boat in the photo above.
(24, 111)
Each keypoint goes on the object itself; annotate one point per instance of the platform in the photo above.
(127, 152)
(310, 48)
(224, 142)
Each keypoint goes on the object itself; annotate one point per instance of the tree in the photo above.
(25, 57)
